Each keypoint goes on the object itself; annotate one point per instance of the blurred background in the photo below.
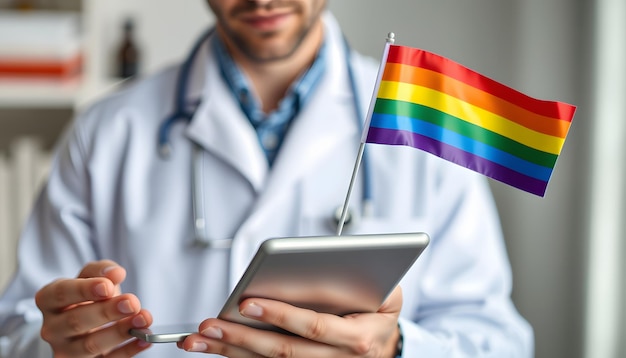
(57, 56)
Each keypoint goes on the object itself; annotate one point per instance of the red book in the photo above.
(40, 67)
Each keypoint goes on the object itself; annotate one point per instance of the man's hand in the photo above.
(315, 334)
(88, 316)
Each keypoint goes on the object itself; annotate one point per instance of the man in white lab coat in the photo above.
(272, 111)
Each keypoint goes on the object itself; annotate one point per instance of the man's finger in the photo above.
(60, 294)
(104, 268)
(82, 319)
(108, 339)
(393, 303)
(350, 331)
(320, 327)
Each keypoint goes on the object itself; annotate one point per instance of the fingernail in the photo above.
(125, 307)
(199, 347)
(101, 290)
(142, 343)
(213, 332)
(107, 269)
(252, 310)
(139, 321)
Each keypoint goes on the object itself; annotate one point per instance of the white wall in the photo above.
(606, 288)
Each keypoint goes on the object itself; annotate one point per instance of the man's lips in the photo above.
(266, 22)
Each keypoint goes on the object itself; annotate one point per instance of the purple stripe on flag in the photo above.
(460, 157)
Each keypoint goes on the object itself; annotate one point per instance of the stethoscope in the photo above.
(182, 112)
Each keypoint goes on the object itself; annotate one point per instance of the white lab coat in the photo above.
(110, 195)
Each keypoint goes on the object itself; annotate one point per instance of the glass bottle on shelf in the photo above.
(128, 53)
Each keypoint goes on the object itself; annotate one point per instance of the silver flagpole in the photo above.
(357, 164)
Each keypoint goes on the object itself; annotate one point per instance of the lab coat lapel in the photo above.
(325, 125)
(222, 129)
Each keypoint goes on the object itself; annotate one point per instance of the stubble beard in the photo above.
(258, 54)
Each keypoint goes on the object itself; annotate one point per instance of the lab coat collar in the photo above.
(327, 121)
(219, 125)
(324, 125)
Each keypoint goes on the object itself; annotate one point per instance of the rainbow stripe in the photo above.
(437, 105)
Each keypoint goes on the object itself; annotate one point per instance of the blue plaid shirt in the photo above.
(272, 127)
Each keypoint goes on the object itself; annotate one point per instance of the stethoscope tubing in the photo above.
(180, 108)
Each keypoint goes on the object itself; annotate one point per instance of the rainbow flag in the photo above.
(434, 104)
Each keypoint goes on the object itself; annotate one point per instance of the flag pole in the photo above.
(357, 164)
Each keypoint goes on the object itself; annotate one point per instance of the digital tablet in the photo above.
(328, 274)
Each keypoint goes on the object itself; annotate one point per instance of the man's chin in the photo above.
(270, 50)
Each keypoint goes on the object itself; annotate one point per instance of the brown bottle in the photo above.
(128, 56)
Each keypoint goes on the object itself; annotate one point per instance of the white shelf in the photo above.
(102, 22)
(72, 94)
(38, 93)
